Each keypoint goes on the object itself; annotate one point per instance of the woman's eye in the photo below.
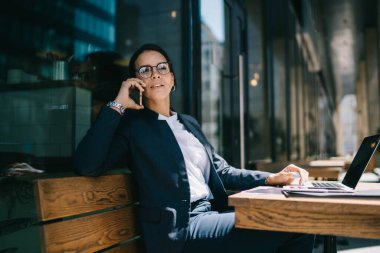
(162, 67)
(144, 70)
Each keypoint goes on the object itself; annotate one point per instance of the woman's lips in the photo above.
(156, 86)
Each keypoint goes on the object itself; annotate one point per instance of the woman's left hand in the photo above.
(290, 174)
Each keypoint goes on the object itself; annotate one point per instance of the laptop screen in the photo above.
(361, 160)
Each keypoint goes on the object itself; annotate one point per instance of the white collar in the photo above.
(171, 118)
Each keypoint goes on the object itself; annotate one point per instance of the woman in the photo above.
(181, 180)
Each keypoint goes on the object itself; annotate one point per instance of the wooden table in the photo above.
(326, 216)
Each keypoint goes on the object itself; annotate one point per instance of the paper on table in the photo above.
(265, 190)
(357, 194)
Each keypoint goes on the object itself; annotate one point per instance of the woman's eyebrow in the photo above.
(147, 65)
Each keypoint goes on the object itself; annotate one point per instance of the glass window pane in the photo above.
(149, 21)
(61, 61)
(212, 39)
(258, 139)
(294, 84)
(279, 79)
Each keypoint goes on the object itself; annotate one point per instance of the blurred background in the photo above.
(270, 81)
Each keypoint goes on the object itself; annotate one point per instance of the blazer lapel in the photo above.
(215, 182)
(197, 134)
(163, 130)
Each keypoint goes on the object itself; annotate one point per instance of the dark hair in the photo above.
(148, 47)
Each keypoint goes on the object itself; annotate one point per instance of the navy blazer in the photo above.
(153, 154)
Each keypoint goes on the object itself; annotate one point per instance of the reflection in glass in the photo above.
(48, 90)
(258, 139)
(212, 39)
(294, 83)
(61, 61)
(149, 21)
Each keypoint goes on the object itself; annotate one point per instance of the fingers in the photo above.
(291, 174)
(301, 173)
(136, 83)
(127, 86)
(304, 176)
(135, 106)
(133, 83)
(280, 178)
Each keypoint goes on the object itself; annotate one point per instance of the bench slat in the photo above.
(62, 197)
(90, 233)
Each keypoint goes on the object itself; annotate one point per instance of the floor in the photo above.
(351, 245)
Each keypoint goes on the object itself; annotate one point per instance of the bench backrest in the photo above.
(83, 214)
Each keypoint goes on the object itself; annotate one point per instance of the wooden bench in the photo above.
(83, 214)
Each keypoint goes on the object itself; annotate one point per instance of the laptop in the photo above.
(360, 162)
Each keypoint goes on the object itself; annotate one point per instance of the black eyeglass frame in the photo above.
(151, 69)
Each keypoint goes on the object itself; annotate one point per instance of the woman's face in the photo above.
(158, 86)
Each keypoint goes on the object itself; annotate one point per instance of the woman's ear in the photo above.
(173, 84)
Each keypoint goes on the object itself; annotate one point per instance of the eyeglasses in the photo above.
(147, 71)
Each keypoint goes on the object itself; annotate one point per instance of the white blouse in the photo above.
(196, 159)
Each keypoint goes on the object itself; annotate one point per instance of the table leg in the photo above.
(329, 244)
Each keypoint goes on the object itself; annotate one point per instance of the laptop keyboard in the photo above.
(326, 185)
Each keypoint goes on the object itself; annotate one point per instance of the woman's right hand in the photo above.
(290, 174)
(123, 97)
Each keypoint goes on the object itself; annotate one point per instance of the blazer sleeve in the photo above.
(238, 179)
(232, 178)
(102, 146)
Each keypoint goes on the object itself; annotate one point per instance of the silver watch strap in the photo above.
(117, 105)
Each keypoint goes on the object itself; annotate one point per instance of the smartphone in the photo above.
(136, 95)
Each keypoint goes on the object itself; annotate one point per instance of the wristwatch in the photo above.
(117, 105)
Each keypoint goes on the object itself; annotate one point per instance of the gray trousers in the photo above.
(212, 231)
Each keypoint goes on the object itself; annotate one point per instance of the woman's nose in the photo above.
(155, 74)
